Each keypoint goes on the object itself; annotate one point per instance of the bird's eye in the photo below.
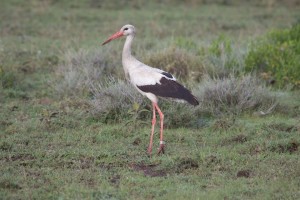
(125, 29)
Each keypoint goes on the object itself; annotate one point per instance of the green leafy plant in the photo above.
(276, 57)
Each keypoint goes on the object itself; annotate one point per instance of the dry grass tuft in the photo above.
(181, 63)
(81, 68)
(85, 74)
(234, 95)
(115, 99)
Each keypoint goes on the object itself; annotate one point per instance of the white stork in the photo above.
(150, 82)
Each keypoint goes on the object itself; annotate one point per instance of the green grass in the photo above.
(68, 156)
(52, 146)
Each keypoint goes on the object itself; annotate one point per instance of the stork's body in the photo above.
(150, 82)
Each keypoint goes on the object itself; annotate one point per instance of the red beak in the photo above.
(114, 36)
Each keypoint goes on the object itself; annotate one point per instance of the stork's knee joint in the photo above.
(153, 121)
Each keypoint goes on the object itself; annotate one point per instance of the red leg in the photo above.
(152, 130)
(161, 143)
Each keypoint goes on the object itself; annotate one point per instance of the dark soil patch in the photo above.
(5, 146)
(90, 182)
(19, 157)
(45, 101)
(149, 170)
(212, 160)
(290, 147)
(236, 139)
(244, 173)
(239, 138)
(112, 166)
(186, 163)
(254, 150)
(5, 123)
(223, 124)
(9, 185)
(137, 141)
(86, 162)
(293, 146)
(115, 179)
(282, 127)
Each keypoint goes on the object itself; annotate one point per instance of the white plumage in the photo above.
(150, 82)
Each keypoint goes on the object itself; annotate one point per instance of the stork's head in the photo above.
(124, 31)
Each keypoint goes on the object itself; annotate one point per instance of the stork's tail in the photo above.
(186, 95)
(192, 100)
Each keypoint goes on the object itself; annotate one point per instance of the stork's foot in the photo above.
(161, 149)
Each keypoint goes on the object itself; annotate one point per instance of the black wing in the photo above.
(170, 89)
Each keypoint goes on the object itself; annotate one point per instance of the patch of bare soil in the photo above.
(9, 185)
(115, 179)
(86, 162)
(291, 147)
(282, 127)
(241, 138)
(223, 124)
(244, 173)
(137, 141)
(186, 163)
(148, 170)
(19, 157)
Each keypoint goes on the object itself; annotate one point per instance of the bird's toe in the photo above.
(161, 149)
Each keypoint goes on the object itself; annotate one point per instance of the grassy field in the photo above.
(62, 137)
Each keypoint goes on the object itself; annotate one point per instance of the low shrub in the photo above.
(276, 57)
(88, 74)
(85, 74)
(82, 68)
(116, 100)
(182, 115)
(232, 95)
(181, 63)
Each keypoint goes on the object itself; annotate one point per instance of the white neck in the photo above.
(128, 60)
(127, 48)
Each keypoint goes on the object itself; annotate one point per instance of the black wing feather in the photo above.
(167, 74)
(170, 89)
